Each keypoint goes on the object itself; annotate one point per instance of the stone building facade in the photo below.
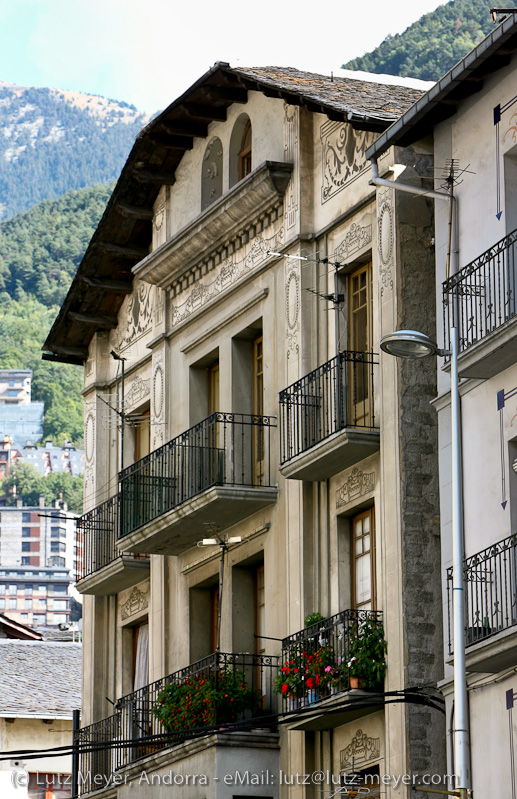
(228, 312)
(469, 120)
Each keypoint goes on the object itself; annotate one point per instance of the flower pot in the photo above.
(356, 682)
(312, 696)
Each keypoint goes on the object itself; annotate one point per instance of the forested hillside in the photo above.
(39, 254)
(433, 44)
(52, 141)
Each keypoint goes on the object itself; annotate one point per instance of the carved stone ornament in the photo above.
(139, 390)
(139, 314)
(358, 484)
(343, 156)
(89, 435)
(385, 236)
(361, 749)
(138, 600)
(230, 272)
(292, 307)
(358, 237)
(291, 116)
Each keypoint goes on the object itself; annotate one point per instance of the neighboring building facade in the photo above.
(41, 687)
(244, 271)
(472, 116)
(36, 596)
(20, 418)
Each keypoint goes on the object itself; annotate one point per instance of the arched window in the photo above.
(240, 149)
(245, 152)
(212, 173)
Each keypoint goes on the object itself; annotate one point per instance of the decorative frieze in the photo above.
(361, 749)
(138, 600)
(291, 122)
(138, 391)
(385, 237)
(230, 272)
(139, 314)
(357, 238)
(357, 485)
(343, 156)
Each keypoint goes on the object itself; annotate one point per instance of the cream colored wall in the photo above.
(34, 734)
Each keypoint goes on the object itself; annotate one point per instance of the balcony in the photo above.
(137, 729)
(327, 419)
(106, 570)
(315, 664)
(218, 471)
(481, 300)
(490, 607)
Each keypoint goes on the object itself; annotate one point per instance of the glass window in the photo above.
(13, 589)
(57, 561)
(42, 603)
(39, 618)
(60, 618)
(60, 589)
(26, 561)
(12, 603)
(57, 546)
(28, 603)
(28, 590)
(26, 546)
(26, 517)
(2, 604)
(25, 616)
(60, 604)
(26, 532)
(2, 589)
(42, 588)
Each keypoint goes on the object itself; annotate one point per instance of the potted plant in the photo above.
(367, 654)
(204, 700)
(290, 680)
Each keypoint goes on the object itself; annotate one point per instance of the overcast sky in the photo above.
(147, 52)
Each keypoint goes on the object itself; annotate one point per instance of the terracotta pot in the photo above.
(356, 682)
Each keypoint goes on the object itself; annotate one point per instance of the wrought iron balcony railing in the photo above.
(224, 449)
(336, 395)
(490, 592)
(483, 295)
(315, 661)
(136, 729)
(99, 529)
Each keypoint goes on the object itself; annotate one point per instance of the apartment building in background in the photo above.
(470, 120)
(20, 418)
(233, 297)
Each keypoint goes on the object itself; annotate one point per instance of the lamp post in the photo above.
(412, 344)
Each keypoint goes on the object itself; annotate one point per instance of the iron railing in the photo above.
(321, 654)
(99, 756)
(135, 731)
(224, 449)
(99, 529)
(490, 579)
(336, 395)
(483, 295)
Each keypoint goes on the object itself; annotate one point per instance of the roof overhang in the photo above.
(462, 81)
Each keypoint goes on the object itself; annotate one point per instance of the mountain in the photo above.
(52, 141)
(433, 44)
(39, 254)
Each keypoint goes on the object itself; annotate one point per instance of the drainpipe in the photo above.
(435, 195)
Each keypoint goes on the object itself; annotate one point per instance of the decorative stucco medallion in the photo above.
(158, 391)
(89, 436)
(292, 300)
(138, 600)
(138, 391)
(358, 237)
(343, 156)
(385, 237)
(357, 484)
(361, 749)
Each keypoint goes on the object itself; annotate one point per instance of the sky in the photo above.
(147, 52)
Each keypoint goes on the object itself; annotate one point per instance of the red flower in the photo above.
(285, 688)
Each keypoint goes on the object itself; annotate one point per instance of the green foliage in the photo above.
(41, 249)
(313, 618)
(25, 324)
(31, 485)
(367, 652)
(54, 146)
(203, 700)
(433, 44)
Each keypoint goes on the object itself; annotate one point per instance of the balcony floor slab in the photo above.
(330, 456)
(493, 354)
(327, 715)
(182, 527)
(123, 572)
(493, 654)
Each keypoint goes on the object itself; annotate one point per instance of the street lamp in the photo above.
(413, 344)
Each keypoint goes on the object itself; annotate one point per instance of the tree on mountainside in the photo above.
(433, 44)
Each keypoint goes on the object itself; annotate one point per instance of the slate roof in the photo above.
(360, 97)
(39, 678)
(124, 233)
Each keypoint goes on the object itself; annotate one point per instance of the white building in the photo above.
(470, 119)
